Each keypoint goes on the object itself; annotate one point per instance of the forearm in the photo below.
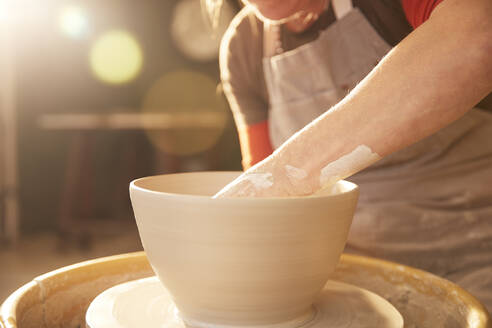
(431, 78)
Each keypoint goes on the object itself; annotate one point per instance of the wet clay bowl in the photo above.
(240, 261)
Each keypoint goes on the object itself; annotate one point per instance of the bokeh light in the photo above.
(116, 57)
(73, 22)
(192, 35)
(193, 116)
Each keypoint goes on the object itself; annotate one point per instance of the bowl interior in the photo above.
(206, 184)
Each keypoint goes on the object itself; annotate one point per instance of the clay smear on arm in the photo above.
(361, 157)
(298, 181)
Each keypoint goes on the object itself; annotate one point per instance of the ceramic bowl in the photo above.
(240, 261)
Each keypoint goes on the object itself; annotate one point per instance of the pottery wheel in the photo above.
(339, 305)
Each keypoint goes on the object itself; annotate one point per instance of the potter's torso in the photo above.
(242, 55)
(305, 82)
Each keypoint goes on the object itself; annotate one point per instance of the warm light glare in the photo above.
(475, 318)
(4, 10)
(187, 114)
(116, 57)
(73, 22)
(190, 32)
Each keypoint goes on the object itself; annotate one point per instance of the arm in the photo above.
(430, 79)
(240, 60)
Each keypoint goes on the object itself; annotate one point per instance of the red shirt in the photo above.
(418, 11)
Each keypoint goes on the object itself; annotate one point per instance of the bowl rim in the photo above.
(352, 189)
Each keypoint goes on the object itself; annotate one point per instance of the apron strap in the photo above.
(271, 37)
(341, 7)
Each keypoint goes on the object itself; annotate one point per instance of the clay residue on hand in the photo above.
(294, 173)
(249, 184)
(299, 182)
(351, 163)
(260, 180)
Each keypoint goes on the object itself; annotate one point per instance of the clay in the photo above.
(240, 261)
(294, 173)
(146, 303)
(258, 181)
(347, 165)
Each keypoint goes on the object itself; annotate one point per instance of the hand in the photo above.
(267, 179)
(257, 181)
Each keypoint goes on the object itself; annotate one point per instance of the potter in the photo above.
(311, 81)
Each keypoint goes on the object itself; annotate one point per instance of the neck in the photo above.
(308, 16)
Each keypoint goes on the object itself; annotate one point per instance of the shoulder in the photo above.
(245, 25)
(242, 39)
(241, 69)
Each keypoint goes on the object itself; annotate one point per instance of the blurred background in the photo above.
(94, 94)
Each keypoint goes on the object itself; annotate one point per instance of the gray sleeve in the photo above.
(241, 69)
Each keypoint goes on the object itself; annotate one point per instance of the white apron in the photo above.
(429, 205)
